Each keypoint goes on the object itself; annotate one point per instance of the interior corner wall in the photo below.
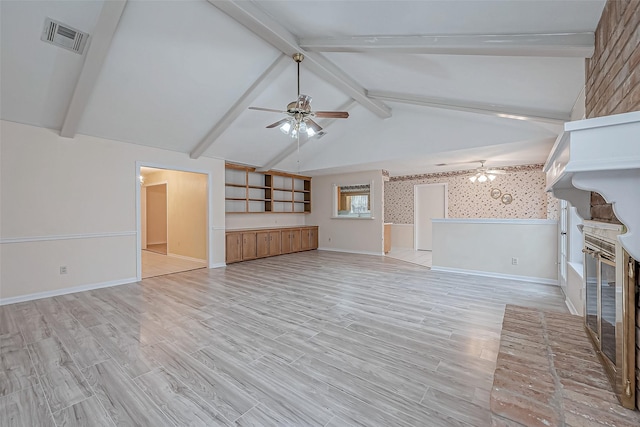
(72, 202)
(186, 211)
(347, 235)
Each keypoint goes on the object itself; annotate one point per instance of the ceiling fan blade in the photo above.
(266, 109)
(332, 114)
(313, 125)
(278, 123)
(496, 171)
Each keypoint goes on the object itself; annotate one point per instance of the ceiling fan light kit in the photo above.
(483, 174)
(299, 111)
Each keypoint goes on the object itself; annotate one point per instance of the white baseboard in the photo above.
(186, 257)
(531, 279)
(570, 306)
(351, 252)
(221, 264)
(64, 291)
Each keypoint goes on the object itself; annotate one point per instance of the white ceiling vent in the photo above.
(62, 35)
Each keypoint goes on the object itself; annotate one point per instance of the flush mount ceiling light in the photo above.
(484, 174)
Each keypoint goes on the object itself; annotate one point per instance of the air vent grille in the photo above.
(64, 36)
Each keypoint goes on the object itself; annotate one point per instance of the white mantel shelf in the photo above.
(601, 155)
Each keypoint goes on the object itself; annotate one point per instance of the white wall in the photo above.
(487, 246)
(72, 202)
(260, 220)
(402, 236)
(348, 235)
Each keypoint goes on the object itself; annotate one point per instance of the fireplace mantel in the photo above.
(601, 155)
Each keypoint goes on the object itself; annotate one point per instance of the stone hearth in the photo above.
(548, 374)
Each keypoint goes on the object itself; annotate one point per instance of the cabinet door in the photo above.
(295, 240)
(305, 242)
(262, 244)
(233, 247)
(248, 245)
(274, 243)
(286, 241)
(313, 238)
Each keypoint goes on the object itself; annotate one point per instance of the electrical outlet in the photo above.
(63, 269)
(514, 261)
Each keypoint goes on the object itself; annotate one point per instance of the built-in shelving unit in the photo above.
(249, 191)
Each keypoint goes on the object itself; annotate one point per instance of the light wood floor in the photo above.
(155, 264)
(308, 339)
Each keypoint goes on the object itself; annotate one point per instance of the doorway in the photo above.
(173, 221)
(155, 221)
(430, 202)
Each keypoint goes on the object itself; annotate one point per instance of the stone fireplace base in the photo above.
(547, 374)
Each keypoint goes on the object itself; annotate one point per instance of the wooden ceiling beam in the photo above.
(495, 110)
(241, 105)
(96, 54)
(576, 45)
(247, 14)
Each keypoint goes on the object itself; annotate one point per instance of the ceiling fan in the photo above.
(484, 174)
(299, 120)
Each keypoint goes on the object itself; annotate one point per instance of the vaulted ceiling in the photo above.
(425, 82)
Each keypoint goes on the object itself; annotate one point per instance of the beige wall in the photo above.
(72, 202)
(488, 247)
(348, 235)
(156, 210)
(473, 200)
(186, 214)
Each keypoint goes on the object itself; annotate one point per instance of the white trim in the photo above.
(400, 225)
(64, 291)
(209, 212)
(216, 227)
(497, 275)
(570, 306)
(65, 237)
(218, 265)
(498, 221)
(612, 120)
(347, 251)
(186, 257)
(578, 268)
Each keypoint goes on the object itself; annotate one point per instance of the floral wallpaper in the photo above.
(525, 184)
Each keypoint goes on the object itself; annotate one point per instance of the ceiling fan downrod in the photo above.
(298, 57)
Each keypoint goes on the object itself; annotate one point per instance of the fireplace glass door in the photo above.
(591, 291)
(608, 309)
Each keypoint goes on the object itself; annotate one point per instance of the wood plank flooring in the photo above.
(309, 339)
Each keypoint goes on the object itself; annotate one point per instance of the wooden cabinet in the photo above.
(309, 238)
(242, 245)
(249, 245)
(291, 241)
(233, 247)
(274, 243)
(387, 238)
(262, 244)
(249, 191)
